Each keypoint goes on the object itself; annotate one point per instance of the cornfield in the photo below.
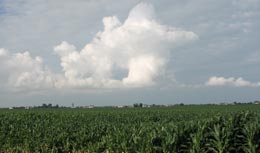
(180, 129)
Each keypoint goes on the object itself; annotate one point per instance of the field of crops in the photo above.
(195, 129)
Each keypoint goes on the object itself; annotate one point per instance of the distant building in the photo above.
(145, 105)
(90, 106)
(257, 102)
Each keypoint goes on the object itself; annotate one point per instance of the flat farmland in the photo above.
(191, 129)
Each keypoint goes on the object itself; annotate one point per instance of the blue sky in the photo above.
(121, 52)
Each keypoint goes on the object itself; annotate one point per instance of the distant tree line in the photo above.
(138, 105)
(48, 106)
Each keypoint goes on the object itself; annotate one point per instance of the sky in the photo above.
(111, 52)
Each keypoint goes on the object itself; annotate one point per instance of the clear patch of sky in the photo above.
(2, 8)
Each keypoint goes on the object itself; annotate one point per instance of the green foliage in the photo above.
(192, 129)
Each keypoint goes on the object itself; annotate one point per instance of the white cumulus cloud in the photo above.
(128, 54)
(139, 47)
(231, 81)
(22, 71)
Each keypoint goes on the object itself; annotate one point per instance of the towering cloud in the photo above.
(122, 55)
(138, 49)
